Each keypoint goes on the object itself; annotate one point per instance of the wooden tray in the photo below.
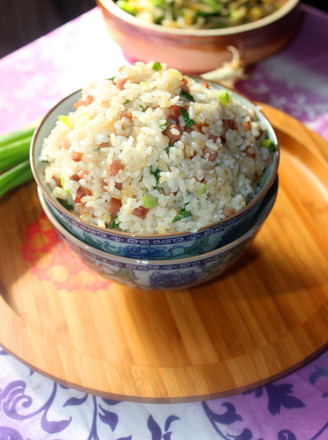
(267, 316)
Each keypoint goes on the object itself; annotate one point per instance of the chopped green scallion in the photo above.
(157, 66)
(156, 174)
(149, 201)
(202, 190)
(182, 215)
(114, 223)
(65, 120)
(124, 4)
(167, 149)
(186, 95)
(224, 97)
(267, 143)
(188, 121)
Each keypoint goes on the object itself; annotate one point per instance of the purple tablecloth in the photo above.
(33, 407)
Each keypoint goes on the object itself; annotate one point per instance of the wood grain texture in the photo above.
(267, 316)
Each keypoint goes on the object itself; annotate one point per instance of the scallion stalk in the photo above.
(14, 136)
(15, 177)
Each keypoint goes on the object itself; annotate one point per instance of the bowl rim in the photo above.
(144, 262)
(110, 7)
(123, 234)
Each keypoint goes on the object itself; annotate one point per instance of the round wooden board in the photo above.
(267, 316)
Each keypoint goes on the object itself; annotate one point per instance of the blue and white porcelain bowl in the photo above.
(153, 247)
(164, 274)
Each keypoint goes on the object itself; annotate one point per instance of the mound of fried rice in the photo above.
(152, 151)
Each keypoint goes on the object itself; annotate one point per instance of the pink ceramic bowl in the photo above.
(200, 50)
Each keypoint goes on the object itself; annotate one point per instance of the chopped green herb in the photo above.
(186, 95)
(163, 126)
(15, 176)
(65, 120)
(114, 224)
(149, 201)
(141, 106)
(224, 97)
(218, 164)
(111, 78)
(202, 190)
(96, 149)
(188, 121)
(15, 136)
(66, 205)
(158, 3)
(157, 66)
(259, 180)
(156, 174)
(124, 4)
(167, 149)
(267, 143)
(182, 215)
(127, 101)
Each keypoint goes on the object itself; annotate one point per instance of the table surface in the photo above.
(33, 407)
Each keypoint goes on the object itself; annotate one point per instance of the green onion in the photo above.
(65, 120)
(156, 174)
(149, 201)
(15, 176)
(123, 4)
(182, 215)
(267, 143)
(15, 136)
(163, 126)
(14, 153)
(218, 164)
(111, 78)
(188, 121)
(66, 205)
(224, 97)
(202, 190)
(96, 149)
(114, 224)
(186, 95)
(14, 159)
(126, 101)
(168, 148)
(157, 66)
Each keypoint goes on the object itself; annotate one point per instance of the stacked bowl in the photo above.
(156, 261)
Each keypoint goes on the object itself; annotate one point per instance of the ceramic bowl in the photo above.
(154, 247)
(199, 50)
(163, 274)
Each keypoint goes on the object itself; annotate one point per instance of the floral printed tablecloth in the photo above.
(33, 407)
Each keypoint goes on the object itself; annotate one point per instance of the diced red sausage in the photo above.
(114, 167)
(247, 125)
(205, 83)
(87, 101)
(82, 192)
(209, 154)
(173, 112)
(229, 123)
(114, 206)
(76, 156)
(173, 132)
(141, 212)
(250, 152)
(126, 114)
(120, 83)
